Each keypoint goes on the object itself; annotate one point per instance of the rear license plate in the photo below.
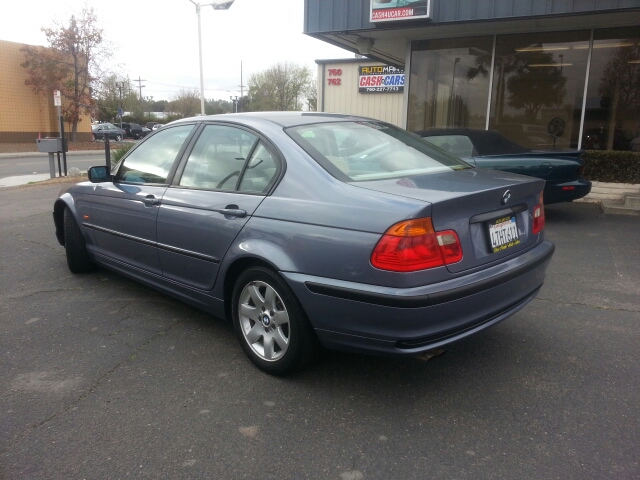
(503, 234)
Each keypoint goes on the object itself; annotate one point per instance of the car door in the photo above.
(225, 177)
(124, 211)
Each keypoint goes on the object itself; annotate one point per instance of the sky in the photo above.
(157, 40)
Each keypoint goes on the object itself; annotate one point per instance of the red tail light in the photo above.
(414, 245)
(538, 218)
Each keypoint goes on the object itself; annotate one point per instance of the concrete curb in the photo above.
(37, 154)
(610, 191)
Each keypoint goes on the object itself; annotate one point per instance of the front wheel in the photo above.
(118, 138)
(270, 324)
(78, 259)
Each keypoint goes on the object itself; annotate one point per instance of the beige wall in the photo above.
(23, 114)
(345, 98)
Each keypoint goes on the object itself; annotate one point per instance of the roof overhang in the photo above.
(390, 43)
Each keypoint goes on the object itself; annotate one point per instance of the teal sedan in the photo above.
(562, 170)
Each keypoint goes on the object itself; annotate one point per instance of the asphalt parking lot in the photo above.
(101, 378)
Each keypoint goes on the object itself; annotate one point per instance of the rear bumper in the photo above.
(566, 191)
(382, 320)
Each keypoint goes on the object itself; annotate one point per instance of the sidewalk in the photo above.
(615, 198)
(37, 177)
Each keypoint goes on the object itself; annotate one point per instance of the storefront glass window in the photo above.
(612, 116)
(538, 88)
(449, 83)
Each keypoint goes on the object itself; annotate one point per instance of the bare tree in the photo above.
(185, 103)
(282, 87)
(66, 65)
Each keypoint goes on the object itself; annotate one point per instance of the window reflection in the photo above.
(537, 90)
(538, 87)
(612, 116)
(449, 83)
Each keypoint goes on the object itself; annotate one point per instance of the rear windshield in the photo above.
(371, 150)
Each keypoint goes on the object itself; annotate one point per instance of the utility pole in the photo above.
(119, 86)
(241, 85)
(237, 102)
(139, 80)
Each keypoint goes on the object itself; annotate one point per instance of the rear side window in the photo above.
(152, 160)
(371, 150)
(260, 172)
(227, 158)
(457, 145)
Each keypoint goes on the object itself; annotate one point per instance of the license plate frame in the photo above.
(503, 233)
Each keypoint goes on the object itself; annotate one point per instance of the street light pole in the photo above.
(216, 6)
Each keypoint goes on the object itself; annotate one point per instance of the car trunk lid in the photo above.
(490, 211)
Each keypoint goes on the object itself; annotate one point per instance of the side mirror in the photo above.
(99, 174)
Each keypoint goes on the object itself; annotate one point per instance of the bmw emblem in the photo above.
(505, 197)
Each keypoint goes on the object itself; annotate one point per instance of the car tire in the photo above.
(78, 259)
(95, 137)
(118, 138)
(271, 326)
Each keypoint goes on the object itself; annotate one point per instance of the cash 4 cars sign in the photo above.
(393, 10)
(380, 79)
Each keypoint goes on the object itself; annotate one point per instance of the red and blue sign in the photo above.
(380, 79)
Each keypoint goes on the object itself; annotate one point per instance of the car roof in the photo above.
(284, 119)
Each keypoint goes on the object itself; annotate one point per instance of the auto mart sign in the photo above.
(380, 79)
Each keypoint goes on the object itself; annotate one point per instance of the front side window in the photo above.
(371, 150)
(152, 160)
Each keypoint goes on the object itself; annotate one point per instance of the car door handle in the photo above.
(151, 200)
(233, 212)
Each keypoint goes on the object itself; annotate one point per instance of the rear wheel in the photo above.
(270, 324)
(118, 138)
(78, 259)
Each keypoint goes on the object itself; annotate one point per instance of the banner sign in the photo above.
(393, 10)
(380, 79)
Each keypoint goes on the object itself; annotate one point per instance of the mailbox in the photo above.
(50, 145)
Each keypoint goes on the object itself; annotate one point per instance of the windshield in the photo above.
(370, 150)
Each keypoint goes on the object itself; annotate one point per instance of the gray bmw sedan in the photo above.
(312, 230)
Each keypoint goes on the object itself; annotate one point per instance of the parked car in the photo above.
(310, 230)
(101, 130)
(145, 131)
(150, 125)
(561, 170)
(133, 130)
(157, 126)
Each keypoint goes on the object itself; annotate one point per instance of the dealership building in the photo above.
(548, 74)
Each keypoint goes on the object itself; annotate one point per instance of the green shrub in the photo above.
(116, 155)
(612, 166)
